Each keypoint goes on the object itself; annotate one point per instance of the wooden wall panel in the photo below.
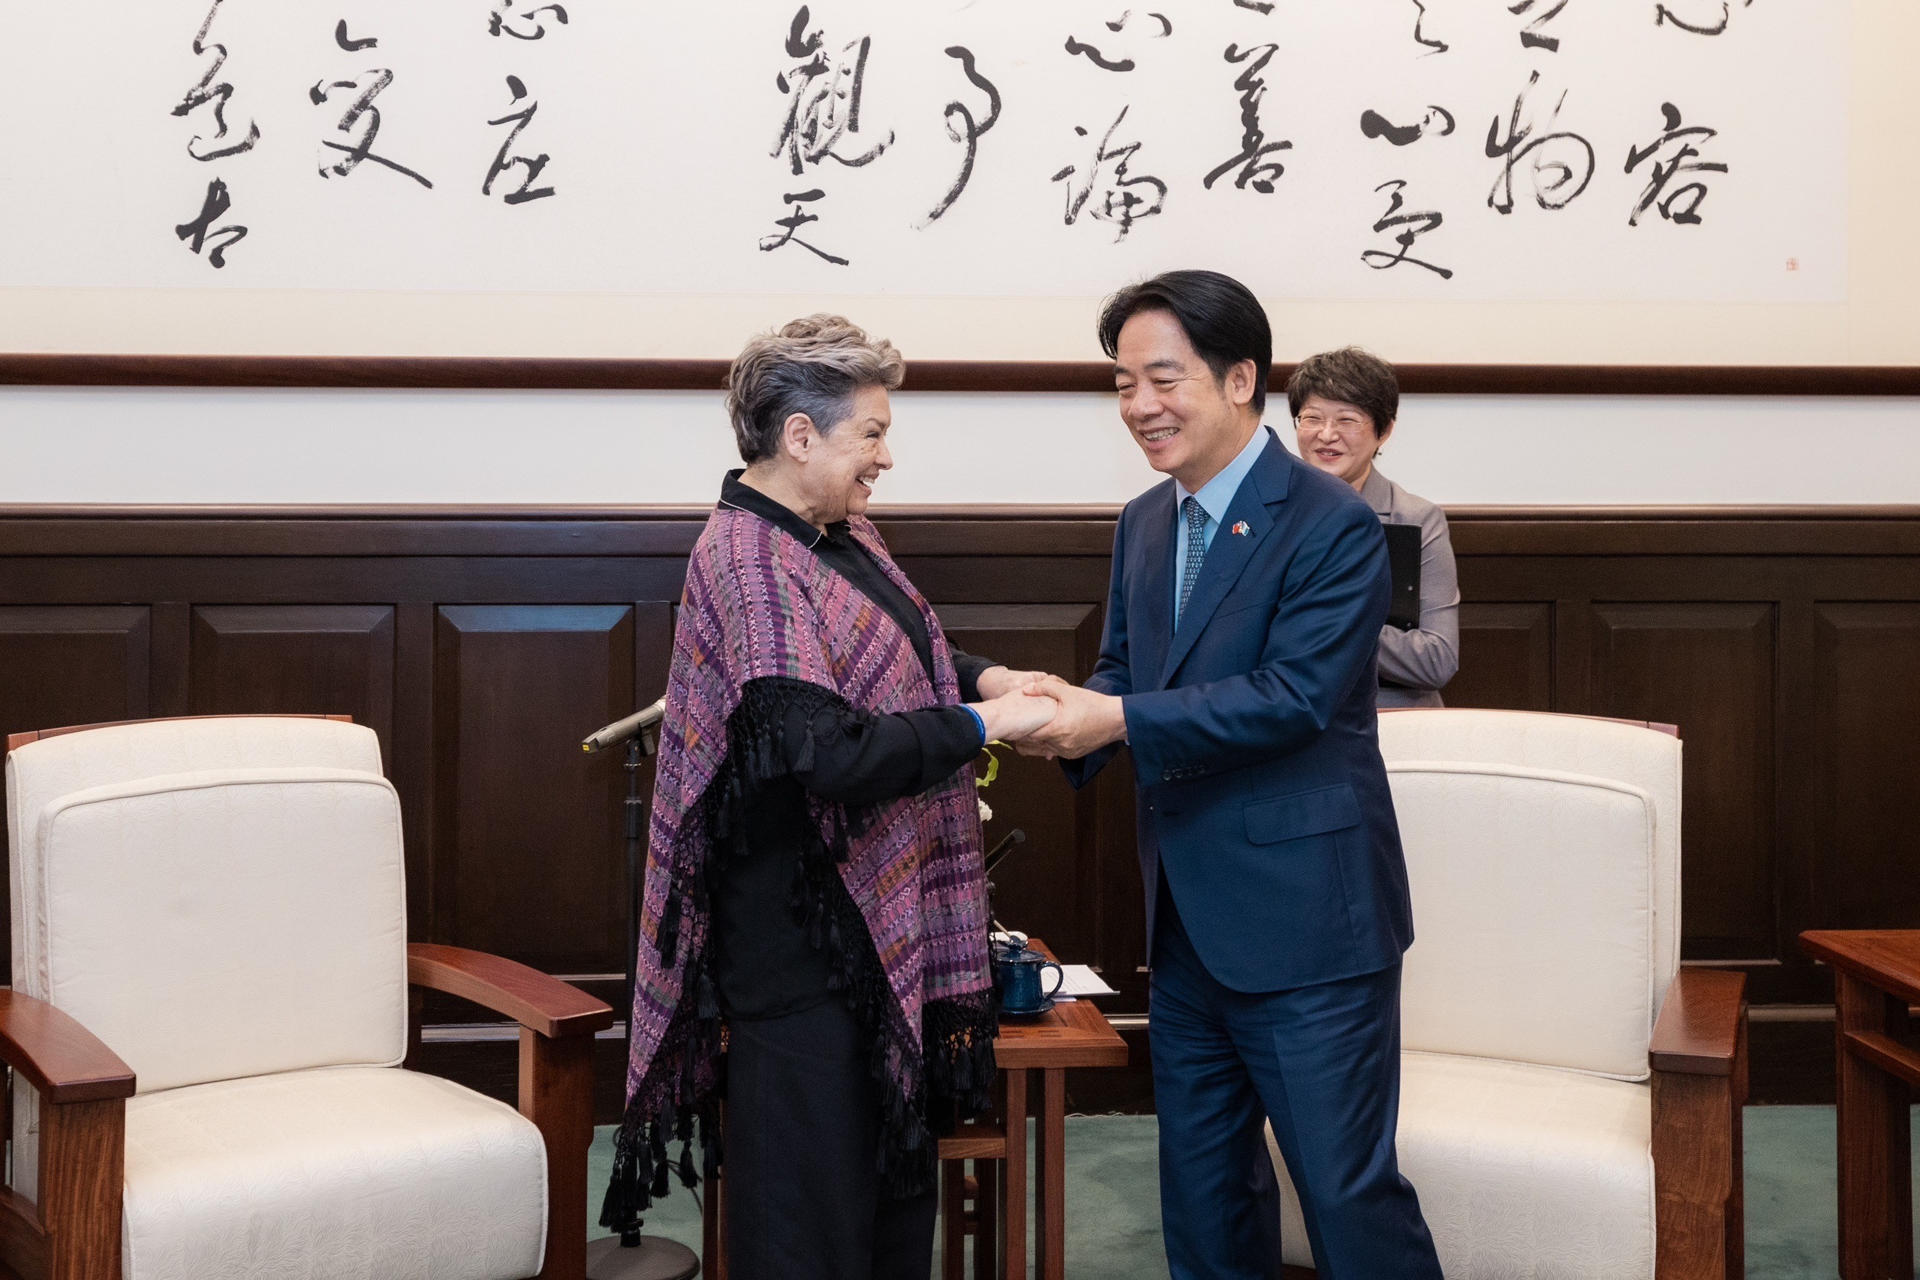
(1061, 848)
(69, 664)
(1864, 767)
(524, 858)
(1506, 656)
(320, 659)
(1708, 668)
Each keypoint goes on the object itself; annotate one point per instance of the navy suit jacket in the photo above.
(1261, 793)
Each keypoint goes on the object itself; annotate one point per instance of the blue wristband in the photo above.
(977, 720)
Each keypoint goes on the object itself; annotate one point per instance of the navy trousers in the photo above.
(1321, 1062)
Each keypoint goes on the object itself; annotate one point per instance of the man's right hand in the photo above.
(1012, 717)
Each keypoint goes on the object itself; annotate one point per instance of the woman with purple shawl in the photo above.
(815, 900)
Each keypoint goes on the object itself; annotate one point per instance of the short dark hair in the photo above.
(1220, 316)
(1353, 375)
(814, 366)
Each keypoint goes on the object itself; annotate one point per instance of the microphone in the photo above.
(644, 721)
(1008, 843)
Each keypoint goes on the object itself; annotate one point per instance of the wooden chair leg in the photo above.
(1873, 1132)
(953, 1218)
(1699, 1207)
(986, 1219)
(556, 1093)
(83, 1169)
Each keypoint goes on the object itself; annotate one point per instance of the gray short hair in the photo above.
(813, 366)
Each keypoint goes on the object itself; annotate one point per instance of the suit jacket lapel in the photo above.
(1230, 552)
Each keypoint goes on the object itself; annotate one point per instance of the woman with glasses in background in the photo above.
(1344, 404)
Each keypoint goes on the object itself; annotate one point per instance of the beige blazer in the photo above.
(1414, 665)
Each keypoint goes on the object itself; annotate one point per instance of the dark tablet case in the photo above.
(1403, 557)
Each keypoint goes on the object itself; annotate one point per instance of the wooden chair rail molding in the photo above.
(62, 369)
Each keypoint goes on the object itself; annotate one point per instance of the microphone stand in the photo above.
(630, 1255)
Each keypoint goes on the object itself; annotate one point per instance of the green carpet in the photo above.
(1113, 1204)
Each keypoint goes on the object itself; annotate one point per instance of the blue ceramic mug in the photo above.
(1017, 974)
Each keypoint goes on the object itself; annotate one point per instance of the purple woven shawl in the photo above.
(898, 889)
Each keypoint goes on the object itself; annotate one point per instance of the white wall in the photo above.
(142, 445)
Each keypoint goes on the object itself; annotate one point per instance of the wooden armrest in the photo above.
(64, 1061)
(535, 1000)
(1698, 1032)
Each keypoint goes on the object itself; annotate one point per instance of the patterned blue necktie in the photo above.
(1196, 516)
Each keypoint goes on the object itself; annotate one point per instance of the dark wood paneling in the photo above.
(1506, 656)
(1709, 669)
(1864, 766)
(1785, 643)
(523, 859)
(74, 664)
(317, 659)
(1061, 846)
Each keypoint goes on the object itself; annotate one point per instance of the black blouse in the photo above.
(764, 963)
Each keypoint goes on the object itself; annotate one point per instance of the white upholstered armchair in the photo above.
(210, 1010)
(1570, 1097)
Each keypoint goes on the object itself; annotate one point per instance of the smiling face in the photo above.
(1189, 424)
(841, 465)
(1339, 438)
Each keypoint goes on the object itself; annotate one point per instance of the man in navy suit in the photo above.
(1247, 597)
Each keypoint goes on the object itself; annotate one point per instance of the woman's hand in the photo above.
(996, 682)
(1012, 716)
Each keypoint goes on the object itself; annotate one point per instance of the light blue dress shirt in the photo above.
(1215, 496)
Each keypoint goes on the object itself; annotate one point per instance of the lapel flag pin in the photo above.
(1241, 528)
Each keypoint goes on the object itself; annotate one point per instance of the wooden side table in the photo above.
(1876, 977)
(1033, 1057)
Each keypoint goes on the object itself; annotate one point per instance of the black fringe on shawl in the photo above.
(953, 1078)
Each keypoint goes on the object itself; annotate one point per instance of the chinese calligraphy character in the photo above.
(360, 111)
(1093, 56)
(1375, 125)
(1120, 203)
(1413, 226)
(1419, 34)
(1166, 24)
(1663, 15)
(823, 99)
(1258, 6)
(347, 42)
(1682, 204)
(202, 148)
(1533, 36)
(1256, 170)
(201, 234)
(964, 129)
(531, 164)
(1558, 160)
(500, 23)
(792, 223)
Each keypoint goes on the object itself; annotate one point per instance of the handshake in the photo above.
(1043, 715)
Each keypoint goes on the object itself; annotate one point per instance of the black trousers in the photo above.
(803, 1197)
